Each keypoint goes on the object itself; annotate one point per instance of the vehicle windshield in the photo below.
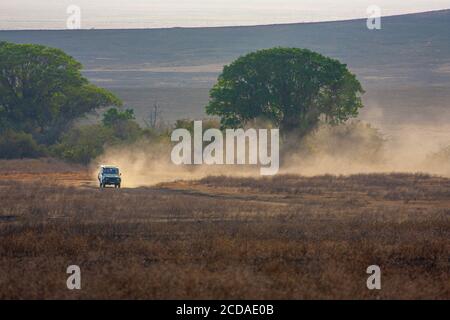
(110, 171)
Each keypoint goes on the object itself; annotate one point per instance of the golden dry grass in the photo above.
(286, 237)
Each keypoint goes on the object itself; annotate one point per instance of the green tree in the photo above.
(292, 88)
(122, 122)
(113, 116)
(42, 91)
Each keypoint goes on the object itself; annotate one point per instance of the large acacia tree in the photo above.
(293, 88)
(42, 91)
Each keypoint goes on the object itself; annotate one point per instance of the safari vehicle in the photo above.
(109, 175)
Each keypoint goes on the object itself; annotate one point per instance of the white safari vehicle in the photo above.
(109, 175)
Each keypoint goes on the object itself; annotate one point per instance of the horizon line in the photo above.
(230, 26)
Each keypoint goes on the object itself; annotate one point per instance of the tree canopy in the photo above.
(292, 88)
(42, 91)
(114, 116)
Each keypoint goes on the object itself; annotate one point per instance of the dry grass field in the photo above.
(287, 237)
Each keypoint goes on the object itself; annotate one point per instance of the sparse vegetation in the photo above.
(221, 237)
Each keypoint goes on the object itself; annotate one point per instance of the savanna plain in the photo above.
(283, 237)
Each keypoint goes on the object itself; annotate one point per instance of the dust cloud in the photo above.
(352, 148)
(360, 148)
(148, 163)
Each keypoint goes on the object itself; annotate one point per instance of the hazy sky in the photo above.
(51, 14)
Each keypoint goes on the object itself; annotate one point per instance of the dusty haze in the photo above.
(356, 147)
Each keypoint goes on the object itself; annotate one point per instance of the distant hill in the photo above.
(409, 55)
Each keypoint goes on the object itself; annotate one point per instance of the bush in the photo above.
(15, 145)
(114, 116)
(127, 131)
(83, 143)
